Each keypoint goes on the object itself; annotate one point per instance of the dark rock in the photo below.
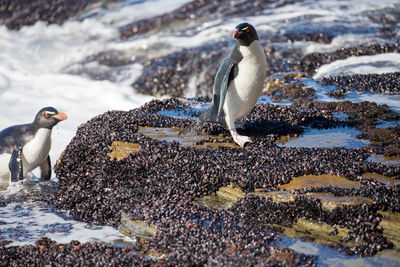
(311, 62)
(17, 13)
(386, 83)
(160, 183)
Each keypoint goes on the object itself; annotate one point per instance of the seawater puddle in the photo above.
(178, 113)
(308, 181)
(376, 158)
(264, 99)
(191, 112)
(381, 178)
(336, 258)
(26, 222)
(135, 228)
(120, 150)
(171, 134)
(185, 138)
(330, 202)
(328, 138)
(387, 124)
(391, 225)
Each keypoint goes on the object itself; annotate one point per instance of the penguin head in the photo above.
(245, 33)
(48, 117)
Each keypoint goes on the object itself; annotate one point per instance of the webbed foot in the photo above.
(241, 140)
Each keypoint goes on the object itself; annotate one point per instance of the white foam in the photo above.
(122, 13)
(33, 221)
(381, 63)
(43, 48)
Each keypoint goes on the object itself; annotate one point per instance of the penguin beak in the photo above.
(235, 33)
(60, 116)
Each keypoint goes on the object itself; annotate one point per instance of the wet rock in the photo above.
(107, 65)
(362, 112)
(17, 13)
(47, 251)
(201, 11)
(177, 73)
(366, 115)
(170, 75)
(295, 92)
(386, 83)
(388, 139)
(311, 62)
(3, 202)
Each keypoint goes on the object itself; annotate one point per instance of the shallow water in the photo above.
(335, 137)
(332, 257)
(384, 160)
(186, 138)
(24, 223)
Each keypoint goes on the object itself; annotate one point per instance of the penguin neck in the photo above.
(42, 136)
(37, 125)
(250, 51)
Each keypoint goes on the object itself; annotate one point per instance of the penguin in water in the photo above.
(239, 82)
(27, 146)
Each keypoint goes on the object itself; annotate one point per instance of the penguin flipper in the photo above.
(221, 83)
(45, 170)
(228, 77)
(15, 165)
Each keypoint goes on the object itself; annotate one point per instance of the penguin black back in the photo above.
(15, 136)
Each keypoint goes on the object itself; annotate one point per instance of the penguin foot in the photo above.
(241, 140)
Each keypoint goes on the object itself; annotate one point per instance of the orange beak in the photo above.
(235, 33)
(61, 116)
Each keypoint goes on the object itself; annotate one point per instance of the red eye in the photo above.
(46, 116)
(248, 30)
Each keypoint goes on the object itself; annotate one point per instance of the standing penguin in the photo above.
(239, 81)
(27, 146)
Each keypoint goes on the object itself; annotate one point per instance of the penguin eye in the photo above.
(48, 114)
(247, 30)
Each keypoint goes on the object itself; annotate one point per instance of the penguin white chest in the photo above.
(36, 151)
(251, 72)
(244, 90)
